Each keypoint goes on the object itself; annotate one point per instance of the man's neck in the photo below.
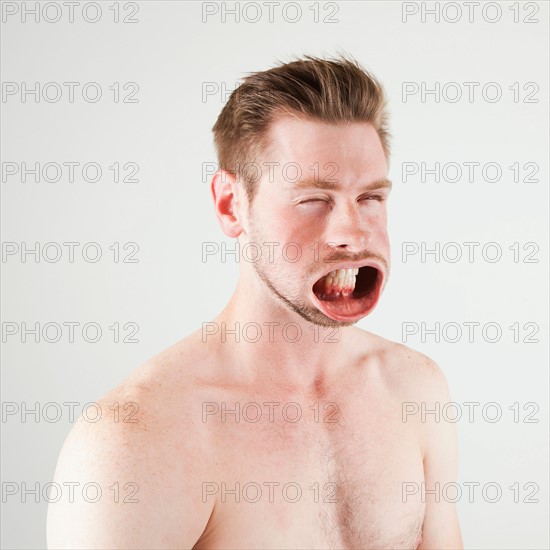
(270, 343)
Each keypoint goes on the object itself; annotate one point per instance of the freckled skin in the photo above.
(350, 452)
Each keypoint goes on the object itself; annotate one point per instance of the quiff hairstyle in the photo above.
(327, 90)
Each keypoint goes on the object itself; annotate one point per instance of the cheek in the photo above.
(286, 225)
(381, 242)
(303, 233)
(380, 229)
(384, 239)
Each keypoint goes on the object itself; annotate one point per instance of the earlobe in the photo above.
(224, 189)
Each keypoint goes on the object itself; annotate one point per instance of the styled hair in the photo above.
(336, 91)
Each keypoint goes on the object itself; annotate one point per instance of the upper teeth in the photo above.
(341, 278)
(343, 273)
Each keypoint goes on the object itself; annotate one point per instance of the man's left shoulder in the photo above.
(408, 369)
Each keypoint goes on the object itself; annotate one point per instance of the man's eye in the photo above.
(307, 201)
(378, 198)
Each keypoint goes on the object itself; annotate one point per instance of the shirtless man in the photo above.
(288, 433)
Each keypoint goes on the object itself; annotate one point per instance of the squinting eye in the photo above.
(312, 201)
(378, 198)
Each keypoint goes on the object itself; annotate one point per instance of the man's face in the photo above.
(325, 192)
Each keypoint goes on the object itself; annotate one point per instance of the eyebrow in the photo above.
(334, 185)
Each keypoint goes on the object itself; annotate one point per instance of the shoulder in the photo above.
(408, 373)
(138, 452)
(420, 393)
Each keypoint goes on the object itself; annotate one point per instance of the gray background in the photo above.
(172, 54)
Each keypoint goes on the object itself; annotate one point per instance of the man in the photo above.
(280, 424)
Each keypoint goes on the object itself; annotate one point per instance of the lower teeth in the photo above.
(337, 284)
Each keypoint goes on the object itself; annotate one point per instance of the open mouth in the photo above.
(349, 294)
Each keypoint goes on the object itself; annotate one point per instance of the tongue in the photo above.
(334, 288)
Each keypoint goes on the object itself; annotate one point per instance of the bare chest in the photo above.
(301, 474)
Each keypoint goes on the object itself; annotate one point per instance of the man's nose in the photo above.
(349, 228)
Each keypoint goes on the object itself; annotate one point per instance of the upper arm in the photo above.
(134, 487)
(441, 529)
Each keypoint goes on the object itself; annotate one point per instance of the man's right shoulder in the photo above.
(141, 458)
(145, 411)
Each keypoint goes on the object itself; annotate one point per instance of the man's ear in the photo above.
(226, 202)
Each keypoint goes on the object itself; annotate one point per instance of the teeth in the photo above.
(341, 279)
